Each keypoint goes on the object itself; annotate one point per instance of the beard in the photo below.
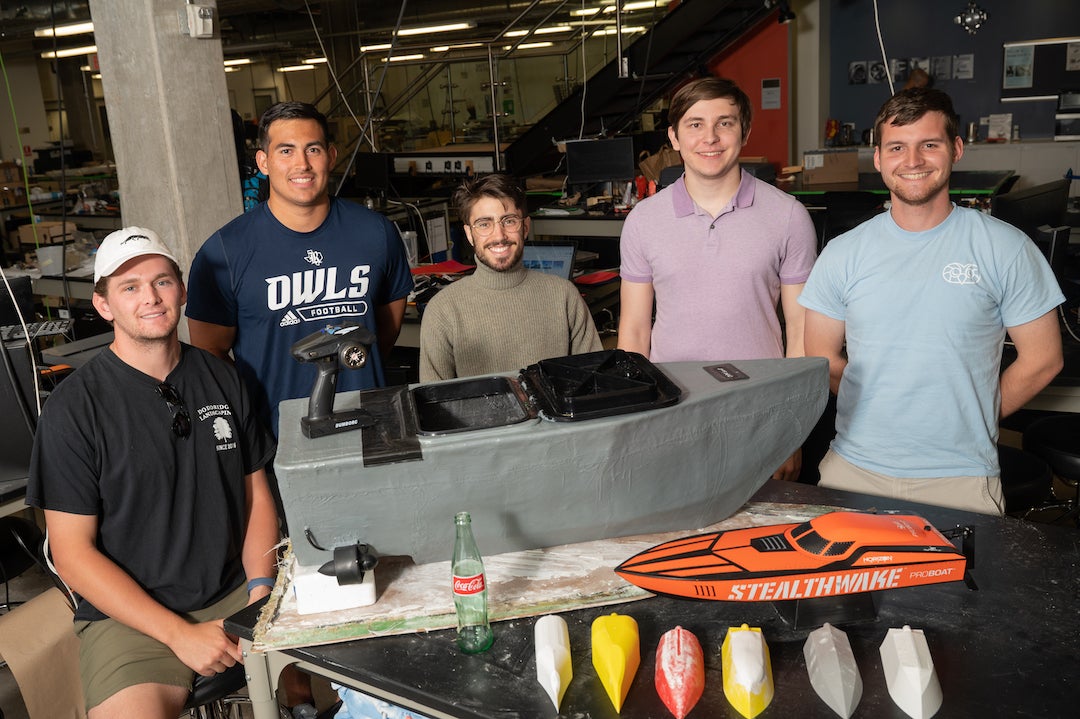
(501, 264)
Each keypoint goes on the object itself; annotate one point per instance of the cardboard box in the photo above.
(821, 167)
(10, 173)
(10, 198)
(48, 233)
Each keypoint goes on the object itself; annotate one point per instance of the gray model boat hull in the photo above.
(540, 483)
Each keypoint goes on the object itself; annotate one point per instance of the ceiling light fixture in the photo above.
(428, 29)
(314, 61)
(78, 28)
(972, 18)
(403, 58)
(612, 31)
(375, 48)
(530, 45)
(461, 46)
(238, 61)
(632, 6)
(295, 68)
(232, 69)
(541, 31)
(70, 52)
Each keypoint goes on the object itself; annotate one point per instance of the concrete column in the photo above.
(169, 120)
(810, 66)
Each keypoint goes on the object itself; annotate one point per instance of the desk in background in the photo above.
(962, 184)
(12, 496)
(578, 225)
(1010, 647)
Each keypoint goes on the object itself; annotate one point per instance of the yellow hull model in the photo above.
(616, 654)
(748, 682)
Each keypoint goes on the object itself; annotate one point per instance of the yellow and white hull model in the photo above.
(748, 681)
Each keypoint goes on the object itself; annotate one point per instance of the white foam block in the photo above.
(319, 593)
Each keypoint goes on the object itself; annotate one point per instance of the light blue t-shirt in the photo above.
(925, 316)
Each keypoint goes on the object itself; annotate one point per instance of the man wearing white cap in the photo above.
(148, 463)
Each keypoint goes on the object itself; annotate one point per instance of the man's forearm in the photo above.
(112, 591)
(1019, 384)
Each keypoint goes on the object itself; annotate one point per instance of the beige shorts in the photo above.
(113, 656)
(971, 494)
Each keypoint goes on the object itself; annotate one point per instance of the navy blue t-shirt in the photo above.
(277, 286)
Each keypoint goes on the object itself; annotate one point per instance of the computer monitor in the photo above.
(372, 171)
(24, 300)
(552, 258)
(17, 414)
(592, 161)
(1033, 207)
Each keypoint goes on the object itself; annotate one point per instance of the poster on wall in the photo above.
(857, 72)
(898, 69)
(1019, 66)
(963, 67)
(878, 73)
(1072, 57)
(941, 67)
(770, 93)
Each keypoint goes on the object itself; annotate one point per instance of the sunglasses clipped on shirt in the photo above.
(181, 420)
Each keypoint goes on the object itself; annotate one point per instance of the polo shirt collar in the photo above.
(684, 205)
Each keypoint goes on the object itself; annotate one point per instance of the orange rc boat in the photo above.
(834, 554)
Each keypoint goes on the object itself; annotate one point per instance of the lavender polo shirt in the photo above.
(717, 281)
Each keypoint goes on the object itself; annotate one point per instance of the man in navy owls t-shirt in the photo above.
(294, 264)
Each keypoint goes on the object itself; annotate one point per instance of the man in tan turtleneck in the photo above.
(503, 317)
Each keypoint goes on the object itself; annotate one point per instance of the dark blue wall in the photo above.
(925, 28)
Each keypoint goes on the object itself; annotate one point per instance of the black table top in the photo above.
(12, 488)
(1011, 647)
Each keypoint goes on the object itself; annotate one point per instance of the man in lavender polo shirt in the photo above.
(717, 250)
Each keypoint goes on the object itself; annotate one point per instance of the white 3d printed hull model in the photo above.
(538, 483)
(832, 669)
(909, 672)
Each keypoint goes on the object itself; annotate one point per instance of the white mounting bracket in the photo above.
(197, 20)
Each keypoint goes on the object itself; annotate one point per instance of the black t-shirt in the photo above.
(171, 510)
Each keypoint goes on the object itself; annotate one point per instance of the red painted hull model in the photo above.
(834, 554)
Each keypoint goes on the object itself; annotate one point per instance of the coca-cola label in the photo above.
(468, 585)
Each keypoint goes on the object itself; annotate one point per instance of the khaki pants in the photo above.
(971, 494)
(113, 656)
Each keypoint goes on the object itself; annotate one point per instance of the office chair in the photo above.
(1006, 186)
(20, 547)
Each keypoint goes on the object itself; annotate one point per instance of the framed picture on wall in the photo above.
(963, 67)
(857, 72)
(941, 67)
(877, 72)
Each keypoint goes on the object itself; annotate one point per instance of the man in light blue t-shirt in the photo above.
(924, 295)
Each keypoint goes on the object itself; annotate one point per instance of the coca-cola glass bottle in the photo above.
(470, 589)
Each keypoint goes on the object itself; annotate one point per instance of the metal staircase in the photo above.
(675, 49)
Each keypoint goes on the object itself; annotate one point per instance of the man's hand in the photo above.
(206, 648)
(789, 470)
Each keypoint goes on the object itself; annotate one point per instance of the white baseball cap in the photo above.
(125, 244)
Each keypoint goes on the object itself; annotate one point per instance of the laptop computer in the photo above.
(553, 258)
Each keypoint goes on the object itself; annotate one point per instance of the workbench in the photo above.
(1011, 647)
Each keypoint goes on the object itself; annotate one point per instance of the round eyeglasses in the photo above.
(484, 227)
